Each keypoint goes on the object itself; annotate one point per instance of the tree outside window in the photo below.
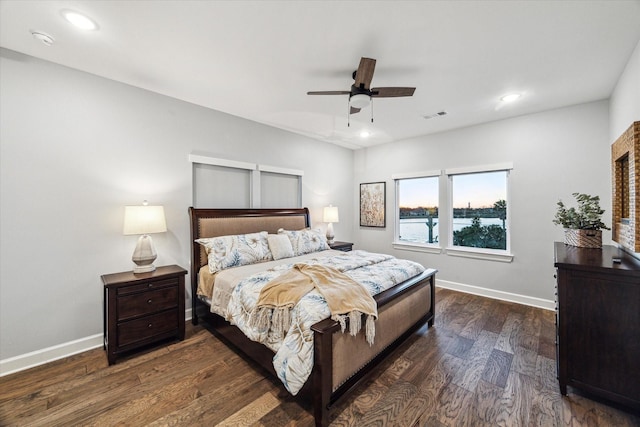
(480, 210)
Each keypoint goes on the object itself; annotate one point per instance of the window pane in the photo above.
(220, 187)
(279, 190)
(480, 210)
(418, 210)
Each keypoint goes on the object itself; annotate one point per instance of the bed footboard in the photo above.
(343, 361)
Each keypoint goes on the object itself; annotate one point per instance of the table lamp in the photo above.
(144, 220)
(330, 215)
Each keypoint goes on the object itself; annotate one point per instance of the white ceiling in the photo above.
(257, 59)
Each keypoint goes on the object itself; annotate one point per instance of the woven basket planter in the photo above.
(583, 238)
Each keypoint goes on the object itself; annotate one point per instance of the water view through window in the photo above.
(479, 210)
(418, 210)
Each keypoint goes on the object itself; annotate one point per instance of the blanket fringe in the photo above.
(342, 320)
(281, 320)
(277, 320)
(355, 324)
(370, 329)
(260, 318)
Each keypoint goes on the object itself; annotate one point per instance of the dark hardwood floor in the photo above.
(485, 363)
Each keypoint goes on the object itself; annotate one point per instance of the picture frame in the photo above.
(373, 204)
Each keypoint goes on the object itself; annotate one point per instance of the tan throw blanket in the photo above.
(344, 296)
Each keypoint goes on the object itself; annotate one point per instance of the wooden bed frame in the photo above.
(341, 361)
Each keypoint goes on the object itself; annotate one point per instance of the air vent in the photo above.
(44, 38)
(432, 116)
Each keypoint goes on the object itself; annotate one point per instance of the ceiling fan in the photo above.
(361, 93)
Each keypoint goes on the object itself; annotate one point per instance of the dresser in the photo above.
(598, 322)
(142, 309)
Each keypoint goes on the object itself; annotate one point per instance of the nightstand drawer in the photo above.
(138, 330)
(136, 305)
(147, 286)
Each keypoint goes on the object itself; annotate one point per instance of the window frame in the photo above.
(412, 246)
(502, 255)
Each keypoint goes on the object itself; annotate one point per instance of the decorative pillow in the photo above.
(280, 246)
(306, 241)
(234, 251)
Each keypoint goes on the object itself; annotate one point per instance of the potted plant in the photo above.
(582, 226)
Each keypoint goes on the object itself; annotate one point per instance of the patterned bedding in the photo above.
(236, 291)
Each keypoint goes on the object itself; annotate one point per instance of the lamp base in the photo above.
(144, 255)
(330, 234)
(143, 268)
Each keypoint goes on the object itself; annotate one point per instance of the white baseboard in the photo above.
(60, 351)
(500, 295)
(46, 355)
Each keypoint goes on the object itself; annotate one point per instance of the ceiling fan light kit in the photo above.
(360, 100)
(361, 94)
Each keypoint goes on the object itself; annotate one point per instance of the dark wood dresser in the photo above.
(142, 309)
(598, 322)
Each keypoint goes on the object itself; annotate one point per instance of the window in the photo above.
(479, 210)
(279, 190)
(226, 183)
(211, 184)
(417, 209)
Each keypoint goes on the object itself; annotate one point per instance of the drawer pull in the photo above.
(150, 325)
(150, 285)
(149, 301)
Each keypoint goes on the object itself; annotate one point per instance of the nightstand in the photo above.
(341, 246)
(142, 309)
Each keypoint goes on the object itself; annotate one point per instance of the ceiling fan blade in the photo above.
(353, 110)
(364, 73)
(392, 92)
(330, 92)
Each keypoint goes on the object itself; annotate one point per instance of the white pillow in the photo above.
(233, 251)
(306, 241)
(280, 246)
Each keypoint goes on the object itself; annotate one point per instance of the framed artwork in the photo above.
(373, 200)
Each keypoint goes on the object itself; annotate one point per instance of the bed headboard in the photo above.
(224, 222)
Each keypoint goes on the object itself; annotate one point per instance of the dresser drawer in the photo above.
(147, 286)
(136, 305)
(133, 331)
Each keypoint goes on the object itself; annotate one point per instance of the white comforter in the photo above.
(236, 291)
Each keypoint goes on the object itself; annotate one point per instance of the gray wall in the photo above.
(75, 149)
(625, 99)
(554, 154)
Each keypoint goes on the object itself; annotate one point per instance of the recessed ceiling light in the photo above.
(510, 97)
(364, 134)
(79, 20)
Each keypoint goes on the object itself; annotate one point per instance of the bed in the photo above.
(340, 361)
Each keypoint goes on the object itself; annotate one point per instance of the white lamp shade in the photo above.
(144, 220)
(330, 214)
